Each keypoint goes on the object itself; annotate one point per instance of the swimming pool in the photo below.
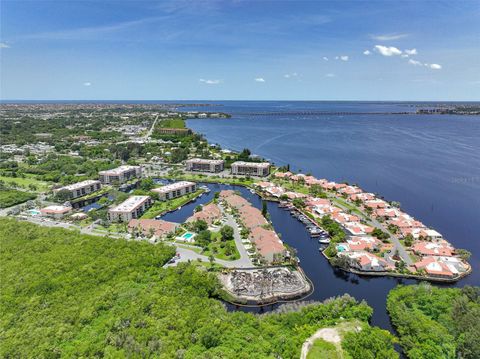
(341, 248)
(187, 236)
(33, 212)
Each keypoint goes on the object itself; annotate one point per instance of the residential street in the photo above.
(402, 252)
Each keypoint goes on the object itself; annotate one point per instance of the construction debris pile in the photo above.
(265, 284)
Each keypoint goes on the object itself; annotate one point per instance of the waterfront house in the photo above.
(235, 201)
(360, 243)
(285, 175)
(252, 217)
(268, 244)
(376, 203)
(209, 213)
(434, 268)
(363, 197)
(424, 248)
(365, 261)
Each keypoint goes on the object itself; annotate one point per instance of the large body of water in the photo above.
(429, 163)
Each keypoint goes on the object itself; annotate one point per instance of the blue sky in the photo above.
(260, 50)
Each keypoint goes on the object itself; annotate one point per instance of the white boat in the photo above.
(324, 241)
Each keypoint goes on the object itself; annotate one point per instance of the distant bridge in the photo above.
(323, 113)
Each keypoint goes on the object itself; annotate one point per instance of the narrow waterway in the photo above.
(328, 281)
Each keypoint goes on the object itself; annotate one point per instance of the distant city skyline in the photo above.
(240, 50)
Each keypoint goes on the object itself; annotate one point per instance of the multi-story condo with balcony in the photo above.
(120, 174)
(175, 190)
(204, 165)
(260, 169)
(131, 208)
(80, 189)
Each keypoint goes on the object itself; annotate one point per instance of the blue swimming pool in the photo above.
(187, 235)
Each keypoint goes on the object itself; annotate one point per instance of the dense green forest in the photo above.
(437, 322)
(64, 294)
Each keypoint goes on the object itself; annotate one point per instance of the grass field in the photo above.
(25, 182)
(11, 197)
(171, 123)
(324, 350)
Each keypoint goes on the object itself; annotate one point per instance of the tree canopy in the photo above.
(64, 294)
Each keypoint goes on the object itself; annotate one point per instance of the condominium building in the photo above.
(81, 188)
(131, 208)
(175, 190)
(251, 168)
(204, 165)
(120, 174)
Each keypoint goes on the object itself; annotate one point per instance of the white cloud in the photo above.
(4, 45)
(210, 82)
(87, 84)
(414, 62)
(259, 79)
(344, 58)
(388, 37)
(367, 52)
(434, 66)
(411, 52)
(325, 58)
(387, 50)
(293, 74)
(404, 56)
(330, 75)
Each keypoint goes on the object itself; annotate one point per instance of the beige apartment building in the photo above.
(204, 165)
(130, 209)
(260, 169)
(120, 174)
(81, 188)
(175, 190)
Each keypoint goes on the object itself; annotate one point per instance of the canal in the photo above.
(328, 281)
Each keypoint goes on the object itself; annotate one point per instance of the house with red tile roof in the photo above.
(267, 242)
(361, 243)
(236, 201)
(209, 213)
(283, 174)
(342, 217)
(434, 267)
(357, 228)
(365, 261)
(362, 197)
(376, 203)
(425, 248)
(350, 190)
(159, 228)
(251, 217)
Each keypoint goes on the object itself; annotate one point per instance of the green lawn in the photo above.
(324, 350)
(11, 197)
(171, 123)
(25, 182)
(160, 207)
(240, 181)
